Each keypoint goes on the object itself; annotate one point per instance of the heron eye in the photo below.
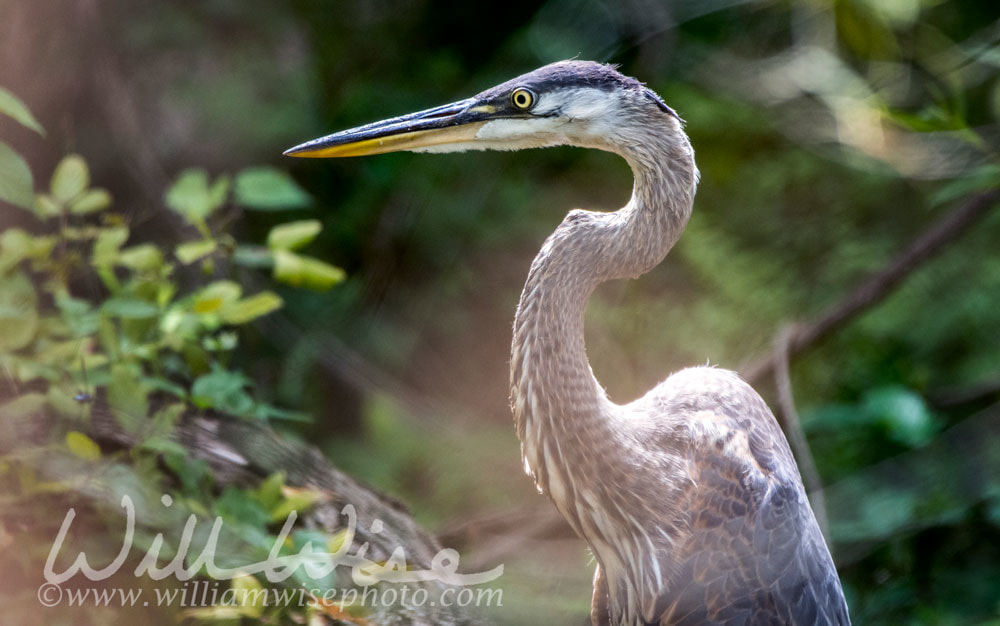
(522, 98)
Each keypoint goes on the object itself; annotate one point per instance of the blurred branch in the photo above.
(964, 394)
(789, 418)
(873, 290)
(243, 452)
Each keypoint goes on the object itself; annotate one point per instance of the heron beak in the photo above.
(453, 123)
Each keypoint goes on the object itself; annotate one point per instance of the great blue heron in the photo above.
(689, 496)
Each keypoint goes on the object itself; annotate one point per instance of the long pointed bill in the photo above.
(449, 124)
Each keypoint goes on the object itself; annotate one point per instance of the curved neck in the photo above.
(557, 402)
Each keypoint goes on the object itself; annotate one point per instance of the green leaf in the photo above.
(240, 507)
(165, 420)
(303, 271)
(107, 335)
(45, 206)
(221, 342)
(269, 189)
(191, 251)
(61, 400)
(129, 308)
(92, 201)
(191, 196)
(16, 183)
(932, 119)
(192, 472)
(157, 443)
(336, 541)
(162, 384)
(18, 312)
(59, 353)
(18, 245)
(142, 258)
(77, 315)
(214, 296)
(107, 246)
(253, 256)
(13, 106)
(904, 414)
(70, 178)
(218, 192)
(223, 390)
(127, 397)
(250, 308)
(14, 246)
(82, 446)
(39, 246)
(269, 492)
(248, 595)
(293, 235)
(298, 500)
(267, 412)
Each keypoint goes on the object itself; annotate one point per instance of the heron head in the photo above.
(570, 102)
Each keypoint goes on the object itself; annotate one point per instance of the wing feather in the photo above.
(753, 553)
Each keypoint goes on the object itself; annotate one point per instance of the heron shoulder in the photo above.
(750, 545)
(713, 411)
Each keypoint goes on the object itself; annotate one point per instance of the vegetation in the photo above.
(829, 135)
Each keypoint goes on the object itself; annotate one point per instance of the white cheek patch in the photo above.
(578, 104)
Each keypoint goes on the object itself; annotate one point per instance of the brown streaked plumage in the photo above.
(689, 496)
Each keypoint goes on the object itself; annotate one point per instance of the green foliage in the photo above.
(82, 446)
(193, 197)
(144, 337)
(222, 390)
(891, 412)
(903, 413)
(293, 235)
(141, 344)
(247, 309)
(268, 189)
(12, 106)
(16, 184)
(303, 271)
(69, 192)
(15, 178)
(191, 251)
(197, 199)
(18, 311)
(70, 179)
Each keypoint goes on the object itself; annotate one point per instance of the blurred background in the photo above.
(830, 135)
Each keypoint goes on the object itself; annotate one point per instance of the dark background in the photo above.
(829, 135)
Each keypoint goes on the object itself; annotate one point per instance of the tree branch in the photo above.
(789, 418)
(879, 285)
(243, 452)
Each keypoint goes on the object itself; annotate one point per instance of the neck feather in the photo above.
(561, 411)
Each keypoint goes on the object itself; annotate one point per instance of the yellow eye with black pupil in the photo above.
(522, 99)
